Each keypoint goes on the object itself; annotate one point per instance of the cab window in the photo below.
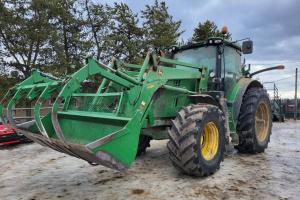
(232, 61)
(204, 56)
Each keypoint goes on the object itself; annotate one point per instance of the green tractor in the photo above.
(198, 96)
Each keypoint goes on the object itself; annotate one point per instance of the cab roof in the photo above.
(212, 41)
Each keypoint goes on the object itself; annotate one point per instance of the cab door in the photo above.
(231, 64)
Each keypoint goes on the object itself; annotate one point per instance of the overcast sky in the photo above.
(274, 27)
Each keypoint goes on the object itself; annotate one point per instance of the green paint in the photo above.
(230, 100)
(131, 99)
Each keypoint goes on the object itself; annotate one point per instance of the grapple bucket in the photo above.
(97, 138)
(101, 127)
(23, 106)
(29, 97)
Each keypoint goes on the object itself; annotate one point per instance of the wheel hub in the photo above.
(209, 141)
(262, 120)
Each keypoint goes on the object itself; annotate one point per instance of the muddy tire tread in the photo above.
(246, 122)
(183, 139)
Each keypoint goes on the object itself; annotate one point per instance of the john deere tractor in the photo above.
(200, 97)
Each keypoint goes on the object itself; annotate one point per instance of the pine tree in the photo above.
(160, 28)
(68, 40)
(207, 29)
(98, 23)
(125, 39)
(24, 33)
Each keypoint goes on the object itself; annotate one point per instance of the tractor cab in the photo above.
(221, 57)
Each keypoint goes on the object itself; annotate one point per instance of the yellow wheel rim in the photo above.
(209, 141)
(262, 120)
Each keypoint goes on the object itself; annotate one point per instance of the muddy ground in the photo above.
(31, 171)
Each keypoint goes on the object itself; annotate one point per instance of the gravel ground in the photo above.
(31, 171)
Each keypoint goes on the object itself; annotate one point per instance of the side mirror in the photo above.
(247, 47)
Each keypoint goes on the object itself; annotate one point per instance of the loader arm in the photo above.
(103, 127)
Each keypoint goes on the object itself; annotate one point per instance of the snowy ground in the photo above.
(31, 171)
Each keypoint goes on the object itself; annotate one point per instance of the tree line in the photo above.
(56, 36)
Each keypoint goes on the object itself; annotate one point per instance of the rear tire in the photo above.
(254, 122)
(197, 139)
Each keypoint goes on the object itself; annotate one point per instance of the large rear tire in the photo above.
(254, 122)
(197, 139)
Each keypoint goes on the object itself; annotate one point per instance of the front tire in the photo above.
(254, 122)
(197, 139)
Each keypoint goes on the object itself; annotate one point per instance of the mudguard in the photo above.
(235, 98)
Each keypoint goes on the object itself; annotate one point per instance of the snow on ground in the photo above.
(31, 171)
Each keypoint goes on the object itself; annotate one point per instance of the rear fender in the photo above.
(235, 98)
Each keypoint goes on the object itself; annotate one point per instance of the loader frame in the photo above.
(104, 127)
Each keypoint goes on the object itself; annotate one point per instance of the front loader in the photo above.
(197, 96)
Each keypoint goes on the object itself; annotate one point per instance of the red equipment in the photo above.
(9, 136)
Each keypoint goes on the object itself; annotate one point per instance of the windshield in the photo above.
(204, 56)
